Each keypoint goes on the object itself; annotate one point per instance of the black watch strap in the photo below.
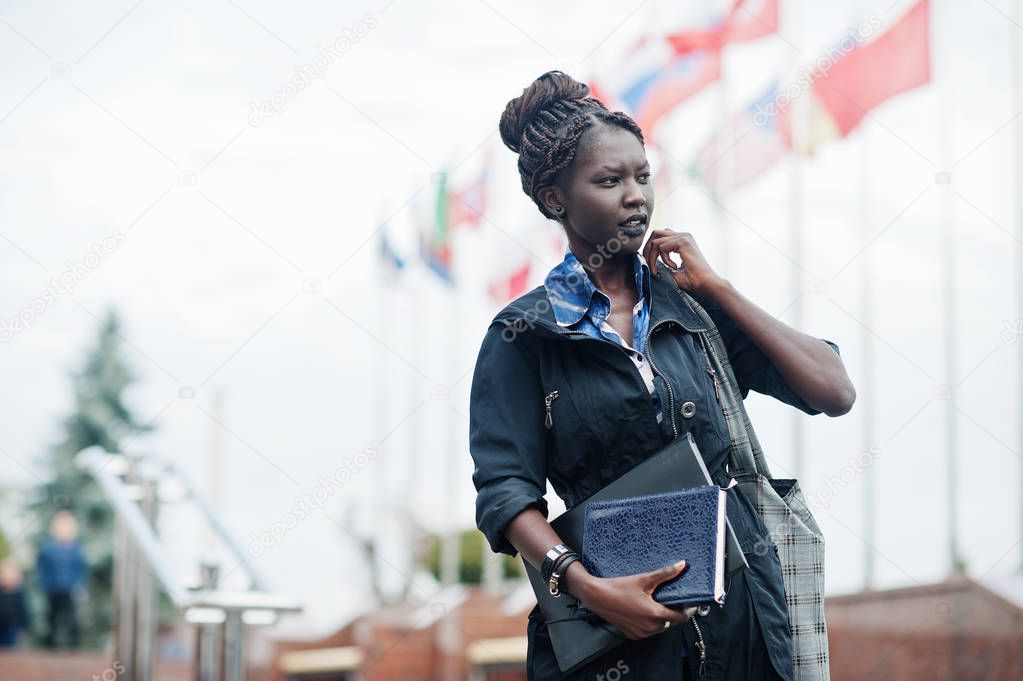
(560, 566)
(552, 555)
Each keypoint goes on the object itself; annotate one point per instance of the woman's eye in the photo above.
(611, 181)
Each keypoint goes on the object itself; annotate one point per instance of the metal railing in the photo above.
(133, 486)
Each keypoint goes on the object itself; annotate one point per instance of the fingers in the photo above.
(665, 573)
(650, 254)
(668, 260)
(658, 252)
(655, 623)
(666, 244)
(651, 251)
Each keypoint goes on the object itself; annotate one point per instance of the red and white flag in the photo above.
(511, 286)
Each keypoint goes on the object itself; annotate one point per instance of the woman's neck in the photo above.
(612, 274)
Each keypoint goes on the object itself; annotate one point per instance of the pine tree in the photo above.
(100, 417)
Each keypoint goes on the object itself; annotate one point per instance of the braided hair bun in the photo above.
(549, 88)
(544, 124)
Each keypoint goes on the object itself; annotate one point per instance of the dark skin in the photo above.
(607, 181)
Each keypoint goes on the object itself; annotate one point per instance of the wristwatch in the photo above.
(553, 553)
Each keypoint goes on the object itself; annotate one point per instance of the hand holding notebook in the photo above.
(643, 533)
(627, 601)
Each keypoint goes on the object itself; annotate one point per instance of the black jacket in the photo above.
(602, 424)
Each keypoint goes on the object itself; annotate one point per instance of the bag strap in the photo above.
(745, 452)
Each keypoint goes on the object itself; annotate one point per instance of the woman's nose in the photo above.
(635, 196)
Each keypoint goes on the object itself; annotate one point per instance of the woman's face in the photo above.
(608, 183)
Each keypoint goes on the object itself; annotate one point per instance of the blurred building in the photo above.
(959, 629)
(464, 633)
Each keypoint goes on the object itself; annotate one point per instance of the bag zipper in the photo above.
(547, 400)
(717, 388)
(701, 646)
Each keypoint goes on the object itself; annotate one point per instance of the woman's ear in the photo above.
(553, 200)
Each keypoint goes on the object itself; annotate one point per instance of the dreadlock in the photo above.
(544, 124)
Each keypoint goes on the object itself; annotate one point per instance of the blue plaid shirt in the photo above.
(579, 305)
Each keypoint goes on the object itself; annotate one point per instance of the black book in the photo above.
(577, 641)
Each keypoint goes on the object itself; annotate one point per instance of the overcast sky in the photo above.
(239, 253)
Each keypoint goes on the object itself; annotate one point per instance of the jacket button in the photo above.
(688, 409)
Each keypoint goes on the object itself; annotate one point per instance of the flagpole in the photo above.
(867, 343)
(449, 542)
(1017, 132)
(448, 632)
(448, 638)
(378, 497)
(723, 156)
(412, 449)
(797, 286)
(415, 449)
(946, 206)
(419, 448)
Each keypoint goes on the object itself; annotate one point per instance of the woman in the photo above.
(584, 377)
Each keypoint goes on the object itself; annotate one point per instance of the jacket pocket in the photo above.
(569, 437)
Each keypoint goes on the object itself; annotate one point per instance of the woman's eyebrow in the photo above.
(617, 168)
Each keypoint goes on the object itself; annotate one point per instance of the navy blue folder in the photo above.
(643, 533)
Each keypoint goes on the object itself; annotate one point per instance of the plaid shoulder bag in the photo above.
(782, 506)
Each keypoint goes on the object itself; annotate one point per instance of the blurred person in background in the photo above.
(62, 570)
(13, 610)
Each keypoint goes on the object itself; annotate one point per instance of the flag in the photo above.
(749, 144)
(597, 92)
(684, 77)
(839, 97)
(466, 206)
(652, 80)
(662, 72)
(874, 72)
(511, 286)
(392, 261)
(744, 21)
(434, 235)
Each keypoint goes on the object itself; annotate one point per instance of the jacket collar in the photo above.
(669, 302)
(533, 311)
